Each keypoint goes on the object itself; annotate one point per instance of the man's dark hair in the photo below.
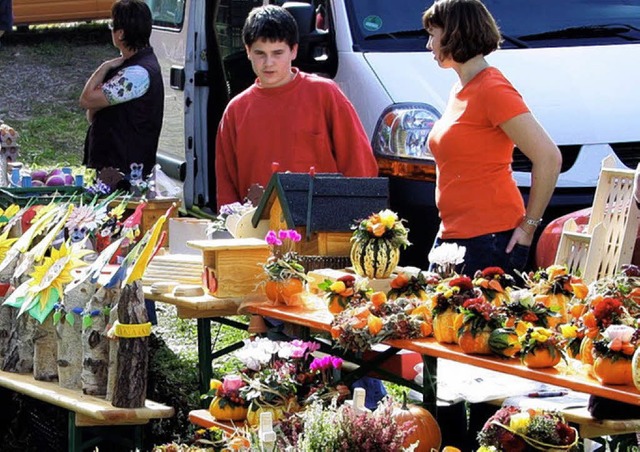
(271, 23)
(134, 18)
(468, 28)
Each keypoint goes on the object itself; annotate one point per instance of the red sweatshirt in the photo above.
(307, 122)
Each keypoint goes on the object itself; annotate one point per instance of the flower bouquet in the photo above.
(624, 286)
(412, 285)
(480, 317)
(524, 307)
(541, 347)
(495, 284)
(376, 244)
(448, 297)
(325, 386)
(613, 354)
(446, 257)
(555, 287)
(285, 275)
(515, 429)
(227, 403)
(358, 328)
(344, 291)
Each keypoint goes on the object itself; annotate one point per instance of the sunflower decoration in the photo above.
(5, 244)
(7, 214)
(39, 294)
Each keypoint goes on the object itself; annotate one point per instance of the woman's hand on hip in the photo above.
(521, 237)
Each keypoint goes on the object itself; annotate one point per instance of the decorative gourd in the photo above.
(475, 343)
(541, 357)
(635, 368)
(613, 372)
(337, 303)
(504, 342)
(283, 291)
(446, 325)
(226, 412)
(374, 258)
(427, 429)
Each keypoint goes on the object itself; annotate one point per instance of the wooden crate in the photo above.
(232, 267)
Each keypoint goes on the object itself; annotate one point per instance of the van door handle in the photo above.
(177, 78)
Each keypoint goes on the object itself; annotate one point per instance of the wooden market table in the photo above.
(205, 309)
(85, 410)
(319, 318)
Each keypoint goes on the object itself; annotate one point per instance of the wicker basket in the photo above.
(311, 263)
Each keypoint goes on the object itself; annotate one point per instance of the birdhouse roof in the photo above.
(325, 202)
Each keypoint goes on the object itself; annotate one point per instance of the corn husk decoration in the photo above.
(19, 348)
(133, 327)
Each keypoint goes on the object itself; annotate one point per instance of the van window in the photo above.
(167, 13)
(380, 25)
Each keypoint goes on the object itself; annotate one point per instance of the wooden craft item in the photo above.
(114, 347)
(95, 344)
(45, 350)
(76, 297)
(133, 353)
(163, 287)
(19, 356)
(188, 291)
(7, 316)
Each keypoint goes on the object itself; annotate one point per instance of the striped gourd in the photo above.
(374, 258)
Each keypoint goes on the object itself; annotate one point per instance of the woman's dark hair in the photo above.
(468, 28)
(134, 18)
(271, 23)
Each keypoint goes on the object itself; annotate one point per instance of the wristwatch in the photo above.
(532, 222)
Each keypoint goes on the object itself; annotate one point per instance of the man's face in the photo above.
(271, 62)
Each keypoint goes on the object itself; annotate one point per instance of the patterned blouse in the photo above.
(128, 84)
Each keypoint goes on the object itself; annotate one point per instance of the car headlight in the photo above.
(402, 131)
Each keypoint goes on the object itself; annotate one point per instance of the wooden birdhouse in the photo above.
(321, 207)
(232, 267)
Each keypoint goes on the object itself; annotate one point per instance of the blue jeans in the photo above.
(489, 251)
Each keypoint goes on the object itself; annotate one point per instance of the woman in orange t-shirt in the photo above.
(478, 200)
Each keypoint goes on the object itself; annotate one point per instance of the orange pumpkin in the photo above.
(227, 412)
(586, 347)
(446, 325)
(610, 372)
(283, 291)
(427, 429)
(337, 303)
(475, 343)
(557, 303)
(541, 357)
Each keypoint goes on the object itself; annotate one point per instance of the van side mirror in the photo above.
(313, 43)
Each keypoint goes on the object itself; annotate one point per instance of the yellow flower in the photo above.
(388, 218)
(519, 422)
(337, 287)
(569, 331)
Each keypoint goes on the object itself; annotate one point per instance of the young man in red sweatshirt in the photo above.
(296, 119)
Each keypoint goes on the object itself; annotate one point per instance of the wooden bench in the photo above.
(203, 418)
(85, 410)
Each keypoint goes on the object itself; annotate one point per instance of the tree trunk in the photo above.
(95, 344)
(7, 314)
(133, 353)
(45, 351)
(19, 357)
(69, 337)
(114, 346)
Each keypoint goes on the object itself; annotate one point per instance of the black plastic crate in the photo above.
(39, 195)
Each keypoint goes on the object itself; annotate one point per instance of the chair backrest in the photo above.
(608, 242)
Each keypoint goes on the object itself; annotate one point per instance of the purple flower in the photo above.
(232, 383)
(283, 234)
(272, 238)
(336, 362)
(294, 236)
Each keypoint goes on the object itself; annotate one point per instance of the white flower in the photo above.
(257, 353)
(447, 254)
(624, 332)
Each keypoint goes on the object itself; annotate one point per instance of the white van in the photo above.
(576, 62)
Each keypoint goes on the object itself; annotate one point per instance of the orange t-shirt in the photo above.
(475, 191)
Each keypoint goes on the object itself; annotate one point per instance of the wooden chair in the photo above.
(608, 241)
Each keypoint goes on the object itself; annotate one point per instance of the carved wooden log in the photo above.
(45, 351)
(7, 313)
(133, 353)
(95, 345)
(69, 334)
(19, 357)
(113, 356)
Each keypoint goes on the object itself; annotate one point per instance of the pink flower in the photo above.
(272, 238)
(232, 383)
(336, 362)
